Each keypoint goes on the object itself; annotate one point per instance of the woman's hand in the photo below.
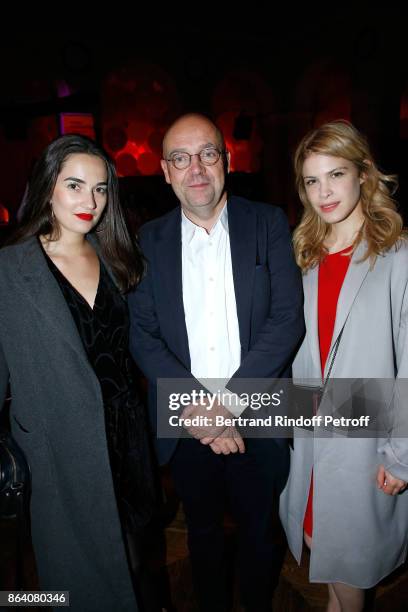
(387, 482)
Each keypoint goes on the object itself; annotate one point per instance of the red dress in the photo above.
(332, 271)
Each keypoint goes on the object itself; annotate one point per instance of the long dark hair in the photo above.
(120, 251)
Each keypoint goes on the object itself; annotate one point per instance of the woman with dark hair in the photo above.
(346, 495)
(63, 348)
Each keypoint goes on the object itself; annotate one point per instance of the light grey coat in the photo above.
(360, 534)
(57, 417)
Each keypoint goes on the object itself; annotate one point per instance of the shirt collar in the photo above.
(189, 229)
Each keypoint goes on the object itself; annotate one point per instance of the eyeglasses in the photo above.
(208, 156)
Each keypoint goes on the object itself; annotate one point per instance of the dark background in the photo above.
(266, 76)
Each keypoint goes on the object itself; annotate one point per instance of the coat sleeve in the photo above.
(147, 346)
(395, 449)
(279, 337)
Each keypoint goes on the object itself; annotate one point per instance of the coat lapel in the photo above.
(169, 267)
(242, 234)
(42, 289)
(356, 273)
(310, 287)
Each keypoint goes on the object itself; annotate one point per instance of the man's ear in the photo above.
(228, 161)
(165, 169)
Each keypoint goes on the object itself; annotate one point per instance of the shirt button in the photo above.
(210, 242)
(212, 348)
(211, 278)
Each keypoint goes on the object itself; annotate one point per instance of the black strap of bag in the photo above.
(333, 357)
(307, 398)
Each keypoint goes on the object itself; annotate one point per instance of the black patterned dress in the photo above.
(104, 331)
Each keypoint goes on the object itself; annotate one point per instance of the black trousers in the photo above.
(251, 483)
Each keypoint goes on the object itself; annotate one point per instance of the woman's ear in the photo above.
(363, 174)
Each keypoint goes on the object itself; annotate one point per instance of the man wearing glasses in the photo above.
(221, 299)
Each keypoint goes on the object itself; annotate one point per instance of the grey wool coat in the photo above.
(57, 417)
(360, 534)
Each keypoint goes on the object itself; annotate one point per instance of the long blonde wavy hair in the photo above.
(382, 227)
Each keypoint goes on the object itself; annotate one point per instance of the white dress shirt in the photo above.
(209, 304)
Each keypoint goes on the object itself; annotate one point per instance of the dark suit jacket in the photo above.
(268, 294)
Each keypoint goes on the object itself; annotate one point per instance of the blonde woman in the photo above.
(346, 497)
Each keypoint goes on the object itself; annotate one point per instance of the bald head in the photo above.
(191, 123)
(199, 185)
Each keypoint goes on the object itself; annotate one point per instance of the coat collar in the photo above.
(43, 291)
(356, 273)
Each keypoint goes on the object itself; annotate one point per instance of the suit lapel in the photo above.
(169, 266)
(43, 291)
(242, 234)
(310, 287)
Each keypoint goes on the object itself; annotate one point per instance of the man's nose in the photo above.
(196, 165)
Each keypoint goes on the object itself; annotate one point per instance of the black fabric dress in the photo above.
(104, 331)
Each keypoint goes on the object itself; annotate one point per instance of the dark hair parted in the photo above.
(120, 251)
(382, 227)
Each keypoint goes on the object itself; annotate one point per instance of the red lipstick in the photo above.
(329, 206)
(84, 216)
